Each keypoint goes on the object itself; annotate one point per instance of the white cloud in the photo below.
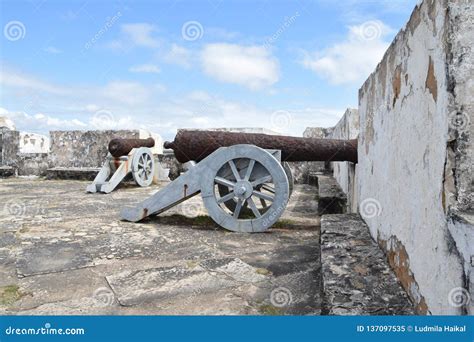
(250, 66)
(41, 122)
(145, 68)
(130, 93)
(15, 79)
(136, 34)
(352, 60)
(141, 34)
(221, 34)
(52, 50)
(132, 105)
(179, 55)
(92, 108)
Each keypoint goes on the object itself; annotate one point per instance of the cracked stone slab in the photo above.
(136, 287)
(356, 275)
(60, 245)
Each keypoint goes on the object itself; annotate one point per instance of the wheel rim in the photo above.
(247, 191)
(143, 167)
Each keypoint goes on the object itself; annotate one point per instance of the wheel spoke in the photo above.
(238, 207)
(234, 170)
(253, 207)
(268, 188)
(261, 180)
(249, 169)
(225, 198)
(223, 181)
(263, 196)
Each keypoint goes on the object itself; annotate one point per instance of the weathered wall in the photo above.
(345, 172)
(33, 143)
(83, 148)
(13, 145)
(415, 158)
(9, 146)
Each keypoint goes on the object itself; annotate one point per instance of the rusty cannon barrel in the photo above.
(196, 145)
(121, 147)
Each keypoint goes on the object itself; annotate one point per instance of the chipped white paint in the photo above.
(404, 107)
(33, 143)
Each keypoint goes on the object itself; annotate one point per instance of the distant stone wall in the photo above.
(414, 176)
(345, 172)
(9, 147)
(302, 170)
(12, 153)
(33, 143)
(83, 148)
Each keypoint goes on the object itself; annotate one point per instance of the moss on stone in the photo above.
(284, 223)
(263, 271)
(270, 310)
(9, 294)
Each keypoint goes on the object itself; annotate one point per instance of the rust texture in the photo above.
(431, 82)
(400, 263)
(196, 145)
(122, 147)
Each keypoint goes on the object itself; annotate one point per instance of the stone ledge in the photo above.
(332, 199)
(6, 171)
(357, 280)
(77, 173)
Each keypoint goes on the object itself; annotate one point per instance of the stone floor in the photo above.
(63, 251)
(357, 277)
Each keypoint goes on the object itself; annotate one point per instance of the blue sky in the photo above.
(163, 65)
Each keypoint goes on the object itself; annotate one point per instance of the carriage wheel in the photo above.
(143, 166)
(256, 181)
(230, 204)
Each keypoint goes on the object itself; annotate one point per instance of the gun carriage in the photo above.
(242, 177)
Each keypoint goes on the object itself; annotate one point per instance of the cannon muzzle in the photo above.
(196, 145)
(122, 147)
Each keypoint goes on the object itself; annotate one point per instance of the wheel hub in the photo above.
(243, 189)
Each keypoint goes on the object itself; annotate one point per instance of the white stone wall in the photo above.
(33, 143)
(345, 172)
(158, 148)
(415, 162)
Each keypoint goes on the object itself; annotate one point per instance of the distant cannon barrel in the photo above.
(121, 147)
(196, 145)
